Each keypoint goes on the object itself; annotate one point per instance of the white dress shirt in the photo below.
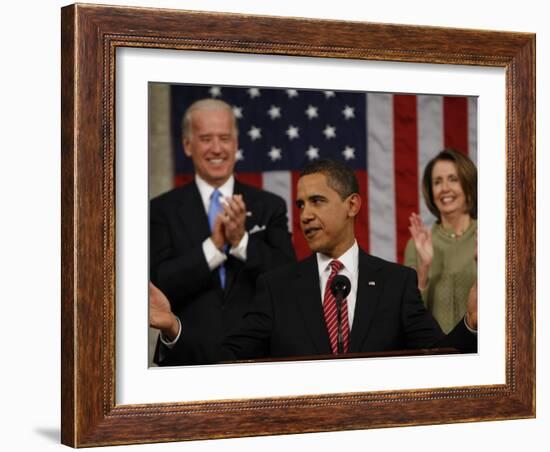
(350, 261)
(214, 256)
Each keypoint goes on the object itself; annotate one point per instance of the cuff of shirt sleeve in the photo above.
(239, 251)
(214, 257)
(471, 330)
(170, 344)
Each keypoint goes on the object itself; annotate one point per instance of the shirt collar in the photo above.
(350, 260)
(206, 190)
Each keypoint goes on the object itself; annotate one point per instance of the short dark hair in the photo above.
(467, 175)
(340, 177)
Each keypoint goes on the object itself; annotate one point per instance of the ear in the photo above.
(354, 204)
(186, 146)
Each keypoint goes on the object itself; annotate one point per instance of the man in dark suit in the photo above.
(293, 313)
(210, 240)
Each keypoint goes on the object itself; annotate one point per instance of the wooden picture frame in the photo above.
(90, 36)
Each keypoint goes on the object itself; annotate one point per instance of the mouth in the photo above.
(447, 200)
(310, 232)
(216, 161)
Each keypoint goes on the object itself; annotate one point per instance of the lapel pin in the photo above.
(372, 283)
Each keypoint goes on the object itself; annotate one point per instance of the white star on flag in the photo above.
(254, 92)
(238, 112)
(329, 132)
(292, 132)
(348, 112)
(366, 131)
(274, 112)
(255, 133)
(312, 153)
(311, 112)
(348, 153)
(275, 154)
(215, 91)
(292, 93)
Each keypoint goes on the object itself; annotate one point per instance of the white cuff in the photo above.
(239, 251)
(166, 342)
(470, 329)
(214, 257)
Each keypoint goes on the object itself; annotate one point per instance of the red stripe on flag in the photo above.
(182, 179)
(362, 221)
(300, 244)
(405, 166)
(455, 123)
(254, 179)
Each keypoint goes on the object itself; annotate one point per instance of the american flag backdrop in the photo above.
(386, 138)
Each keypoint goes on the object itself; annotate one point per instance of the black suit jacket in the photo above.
(179, 225)
(287, 316)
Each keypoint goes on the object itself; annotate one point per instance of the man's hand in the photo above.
(218, 233)
(233, 219)
(471, 308)
(161, 316)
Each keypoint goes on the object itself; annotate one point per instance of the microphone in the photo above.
(340, 285)
(340, 288)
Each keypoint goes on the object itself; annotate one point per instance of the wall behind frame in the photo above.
(30, 245)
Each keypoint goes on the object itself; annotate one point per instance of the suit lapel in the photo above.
(194, 219)
(368, 296)
(233, 265)
(308, 297)
(250, 202)
(193, 214)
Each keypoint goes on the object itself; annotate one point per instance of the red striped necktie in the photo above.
(331, 313)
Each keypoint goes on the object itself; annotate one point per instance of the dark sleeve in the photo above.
(180, 277)
(180, 354)
(252, 337)
(272, 247)
(423, 331)
(460, 338)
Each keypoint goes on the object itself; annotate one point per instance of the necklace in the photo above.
(450, 233)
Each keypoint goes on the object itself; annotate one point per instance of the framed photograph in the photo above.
(386, 138)
(112, 59)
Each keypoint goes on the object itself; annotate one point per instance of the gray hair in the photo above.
(205, 104)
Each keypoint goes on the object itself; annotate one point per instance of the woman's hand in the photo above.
(422, 238)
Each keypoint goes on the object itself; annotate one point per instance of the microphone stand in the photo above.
(340, 288)
(339, 317)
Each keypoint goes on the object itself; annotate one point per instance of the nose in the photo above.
(216, 145)
(306, 214)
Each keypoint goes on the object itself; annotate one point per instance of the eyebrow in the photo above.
(312, 198)
(445, 176)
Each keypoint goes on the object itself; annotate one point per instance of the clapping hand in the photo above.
(471, 308)
(422, 238)
(234, 217)
(471, 305)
